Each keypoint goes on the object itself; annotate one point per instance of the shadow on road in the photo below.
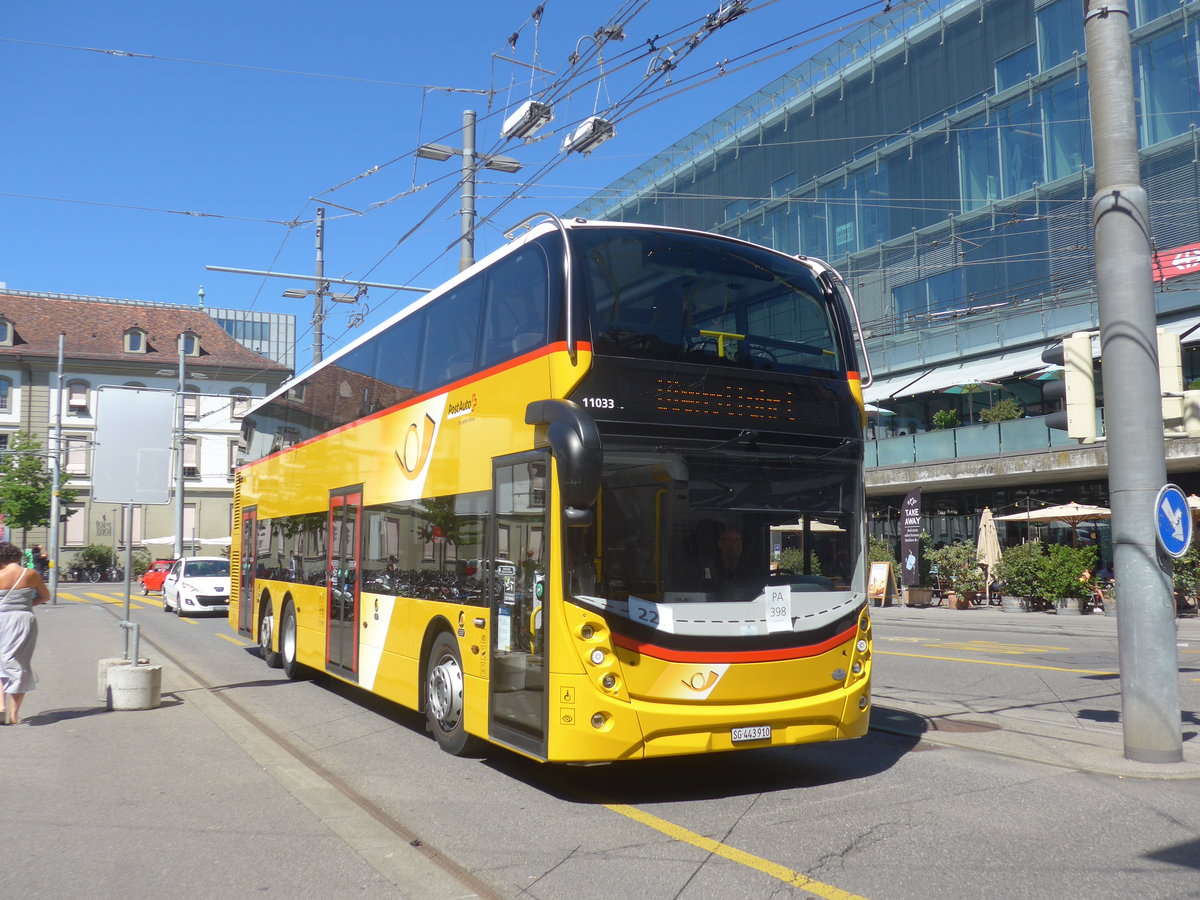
(715, 776)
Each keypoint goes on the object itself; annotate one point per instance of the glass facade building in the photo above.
(940, 158)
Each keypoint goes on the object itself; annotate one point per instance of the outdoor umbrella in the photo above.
(970, 388)
(987, 551)
(873, 410)
(1072, 513)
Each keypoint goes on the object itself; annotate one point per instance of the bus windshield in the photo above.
(698, 298)
(716, 528)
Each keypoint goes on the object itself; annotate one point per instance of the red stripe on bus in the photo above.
(734, 656)
(557, 347)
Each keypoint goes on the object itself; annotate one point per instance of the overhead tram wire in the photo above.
(129, 54)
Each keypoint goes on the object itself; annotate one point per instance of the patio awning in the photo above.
(993, 368)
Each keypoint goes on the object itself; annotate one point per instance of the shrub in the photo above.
(1064, 565)
(1020, 569)
(792, 560)
(957, 564)
(98, 555)
(946, 418)
(1001, 411)
(880, 550)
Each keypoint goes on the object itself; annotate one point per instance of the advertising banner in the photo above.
(910, 539)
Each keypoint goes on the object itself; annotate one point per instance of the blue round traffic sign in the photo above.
(1173, 521)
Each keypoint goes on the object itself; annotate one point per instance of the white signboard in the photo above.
(134, 438)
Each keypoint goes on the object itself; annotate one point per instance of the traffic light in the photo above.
(1077, 389)
(1170, 379)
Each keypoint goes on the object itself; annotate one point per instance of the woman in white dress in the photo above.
(21, 589)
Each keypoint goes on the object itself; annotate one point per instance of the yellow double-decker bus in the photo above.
(599, 497)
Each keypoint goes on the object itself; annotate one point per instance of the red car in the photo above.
(152, 579)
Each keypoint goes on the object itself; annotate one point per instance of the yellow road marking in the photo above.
(994, 647)
(120, 601)
(234, 640)
(104, 598)
(982, 646)
(996, 662)
(782, 873)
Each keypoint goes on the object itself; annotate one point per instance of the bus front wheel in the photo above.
(444, 697)
(266, 631)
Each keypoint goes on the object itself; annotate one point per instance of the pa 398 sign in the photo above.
(1173, 521)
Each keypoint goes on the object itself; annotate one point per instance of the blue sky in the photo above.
(104, 153)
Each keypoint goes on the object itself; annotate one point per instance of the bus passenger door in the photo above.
(517, 579)
(246, 572)
(342, 583)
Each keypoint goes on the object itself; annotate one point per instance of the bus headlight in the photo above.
(857, 667)
(862, 702)
(597, 656)
(599, 719)
(861, 646)
(587, 632)
(609, 681)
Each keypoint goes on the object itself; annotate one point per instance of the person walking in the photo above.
(21, 589)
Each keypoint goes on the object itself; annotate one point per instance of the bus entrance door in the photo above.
(245, 592)
(341, 633)
(516, 584)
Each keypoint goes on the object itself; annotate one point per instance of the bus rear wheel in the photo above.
(266, 630)
(444, 697)
(287, 644)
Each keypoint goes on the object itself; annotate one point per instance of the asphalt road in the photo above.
(892, 816)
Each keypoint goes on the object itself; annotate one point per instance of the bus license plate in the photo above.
(751, 733)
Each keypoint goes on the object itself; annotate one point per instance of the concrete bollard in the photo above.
(105, 665)
(134, 687)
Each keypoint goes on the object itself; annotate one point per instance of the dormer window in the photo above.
(240, 402)
(135, 340)
(6, 333)
(191, 344)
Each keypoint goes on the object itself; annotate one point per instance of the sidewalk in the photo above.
(184, 800)
(1059, 738)
(190, 800)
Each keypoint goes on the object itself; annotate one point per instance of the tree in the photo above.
(26, 485)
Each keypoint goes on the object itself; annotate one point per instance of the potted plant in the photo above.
(946, 418)
(1019, 574)
(1066, 578)
(1001, 411)
(958, 566)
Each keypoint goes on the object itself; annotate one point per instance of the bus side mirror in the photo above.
(575, 444)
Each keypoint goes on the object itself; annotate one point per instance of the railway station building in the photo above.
(939, 156)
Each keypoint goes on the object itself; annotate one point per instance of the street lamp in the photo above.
(470, 162)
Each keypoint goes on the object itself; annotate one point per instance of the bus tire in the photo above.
(444, 697)
(287, 644)
(266, 629)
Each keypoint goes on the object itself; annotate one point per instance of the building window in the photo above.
(240, 402)
(191, 344)
(297, 392)
(75, 527)
(135, 341)
(237, 452)
(191, 458)
(1166, 87)
(76, 446)
(6, 333)
(3, 442)
(1016, 68)
(6, 388)
(1060, 32)
(77, 398)
(191, 402)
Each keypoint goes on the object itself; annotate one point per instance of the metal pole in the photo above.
(1150, 710)
(468, 191)
(56, 477)
(127, 535)
(179, 445)
(319, 290)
